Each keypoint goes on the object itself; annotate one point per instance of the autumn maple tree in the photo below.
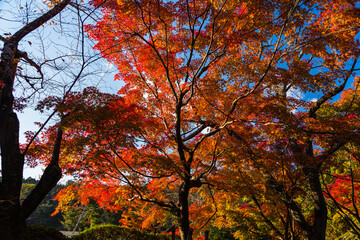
(287, 141)
(290, 141)
(222, 95)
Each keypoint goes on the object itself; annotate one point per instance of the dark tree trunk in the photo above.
(13, 214)
(318, 230)
(183, 215)
(12, 222)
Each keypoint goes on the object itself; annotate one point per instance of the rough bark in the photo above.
(317, 229)
(12, 214)
(183, 215)
(12, 223)
(48, 180)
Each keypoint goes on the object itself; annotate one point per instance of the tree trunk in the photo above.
(183, 215)
(12, 223)
(13, 214)
(318, 230)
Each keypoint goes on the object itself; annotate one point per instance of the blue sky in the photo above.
(49, 42)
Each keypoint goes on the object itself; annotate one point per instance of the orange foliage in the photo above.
(218, 93)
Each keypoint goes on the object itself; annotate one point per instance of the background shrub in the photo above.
(37, 232)
(221, 234)
(113, 232)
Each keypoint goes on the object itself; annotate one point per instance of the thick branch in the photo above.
(24, 55)
(49, 179)
(39, 21)
(195, 132)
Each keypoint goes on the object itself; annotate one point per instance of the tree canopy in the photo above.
(234, 113)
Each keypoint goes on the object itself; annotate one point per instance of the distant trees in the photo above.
(43, 213)
(75, 217)
(83, 217)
